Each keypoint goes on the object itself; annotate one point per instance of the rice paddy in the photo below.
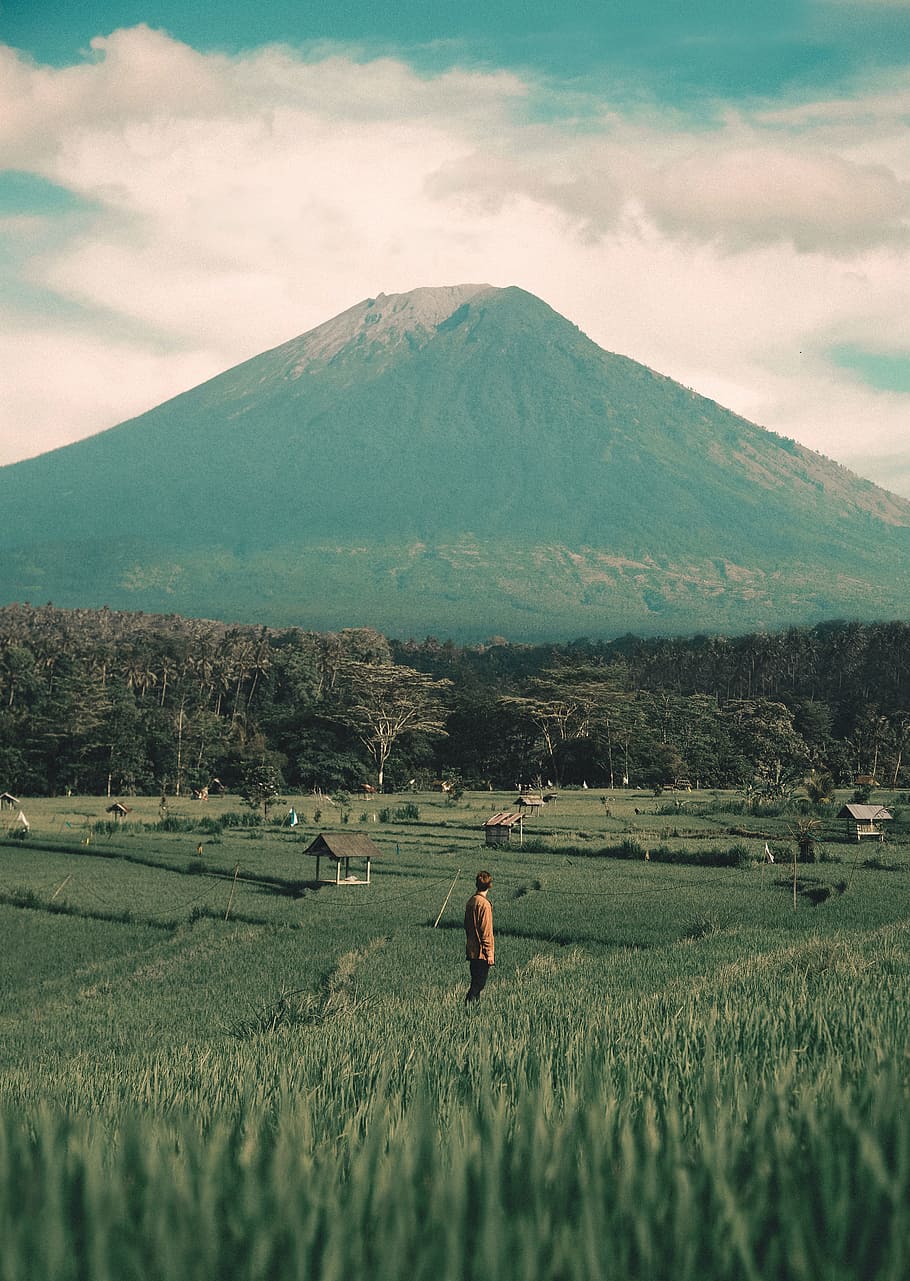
(214, 1067)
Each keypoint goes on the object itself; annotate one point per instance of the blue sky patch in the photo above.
(26, 193)
(674, 51)
(884, 371)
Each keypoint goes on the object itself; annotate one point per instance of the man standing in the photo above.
(478, 929)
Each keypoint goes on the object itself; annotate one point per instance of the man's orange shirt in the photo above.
(478, 929)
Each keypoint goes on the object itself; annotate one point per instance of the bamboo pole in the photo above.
(447, 897)
(60, 886)
(233, 887)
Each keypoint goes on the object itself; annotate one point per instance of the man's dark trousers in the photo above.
(479, 972)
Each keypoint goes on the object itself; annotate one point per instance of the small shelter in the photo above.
(530, 801)
(118, 810)
(8, 802)
(341, 847)
(498, 828)
(864, 820)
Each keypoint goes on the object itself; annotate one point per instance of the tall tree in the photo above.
(381, 702)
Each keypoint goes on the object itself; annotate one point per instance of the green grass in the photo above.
(211, 1067)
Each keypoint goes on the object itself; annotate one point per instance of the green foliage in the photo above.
(260, 787)
(92, 701)
(578, 1186)
(234, 818)
(819, 788)
(805, 833)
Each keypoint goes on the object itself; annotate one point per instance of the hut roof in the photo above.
(505, 818)
(864, 813)
(13, 800)
(344, 845)
(117, 808)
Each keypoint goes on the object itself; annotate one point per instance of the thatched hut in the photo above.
(341, 847)
(864, 820)
(498, 828)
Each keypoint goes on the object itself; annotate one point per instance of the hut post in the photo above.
(368, 869)
(338, 871)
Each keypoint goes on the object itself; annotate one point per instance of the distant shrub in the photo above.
(234, 819)
(409, 813)
(754, 807)
(104, 827)
(174, 824)
(734, 856)
(702, 927)
(537, 845)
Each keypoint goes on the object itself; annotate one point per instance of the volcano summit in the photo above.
(461, 461)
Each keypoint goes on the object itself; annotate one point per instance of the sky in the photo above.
(718, 189)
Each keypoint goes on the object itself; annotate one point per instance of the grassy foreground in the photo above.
(212, 1067)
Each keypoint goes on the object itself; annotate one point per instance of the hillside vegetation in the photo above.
(129, 703)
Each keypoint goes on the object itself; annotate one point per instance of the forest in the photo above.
(103, 702)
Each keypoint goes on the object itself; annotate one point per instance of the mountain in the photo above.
(462, 461)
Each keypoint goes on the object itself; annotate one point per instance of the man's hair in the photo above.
(483, 880)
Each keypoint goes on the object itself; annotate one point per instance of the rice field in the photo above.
(213, 1067)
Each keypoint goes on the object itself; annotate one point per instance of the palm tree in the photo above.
(819, 787)
(805, 833)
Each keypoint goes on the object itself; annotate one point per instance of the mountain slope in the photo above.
(461, 460)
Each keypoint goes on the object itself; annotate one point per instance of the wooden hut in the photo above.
(341, 847)
(864, 820)
(530, 801)
(117, 810)
(498, 828)
(8, 802)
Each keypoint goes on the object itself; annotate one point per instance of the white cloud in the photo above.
(235, 202)
(766, 194)
(61, 384)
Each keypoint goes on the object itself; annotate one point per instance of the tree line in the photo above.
(98, 701)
